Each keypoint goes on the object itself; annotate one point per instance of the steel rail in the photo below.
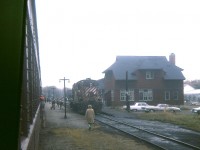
(149, 132)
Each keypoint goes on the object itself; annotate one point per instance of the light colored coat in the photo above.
(90, 115)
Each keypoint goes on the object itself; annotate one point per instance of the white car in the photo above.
(162, 107)
(138, 106)
(196, 110)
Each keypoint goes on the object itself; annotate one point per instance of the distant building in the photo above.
(188, 88)
(191, 95)
(151, 79)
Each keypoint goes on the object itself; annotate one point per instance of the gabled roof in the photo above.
(134, 63)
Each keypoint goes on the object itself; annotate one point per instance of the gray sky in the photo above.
(79, 39)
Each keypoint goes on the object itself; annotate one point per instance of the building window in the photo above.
(131, 95)
(123, 95)
(112, 95)
(167, 95)
(175, 95)
(149, 75)
(146, 94)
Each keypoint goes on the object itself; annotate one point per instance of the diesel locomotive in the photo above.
(86, 92)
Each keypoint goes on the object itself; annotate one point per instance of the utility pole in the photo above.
(127, 96)
(64, 95)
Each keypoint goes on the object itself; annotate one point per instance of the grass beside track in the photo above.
(185, 120)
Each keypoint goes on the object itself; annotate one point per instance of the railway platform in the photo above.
(55, 119)
(58, 133)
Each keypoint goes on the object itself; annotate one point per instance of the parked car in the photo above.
(195, 103)
(196, 110)
(162, 107)
(138, 106)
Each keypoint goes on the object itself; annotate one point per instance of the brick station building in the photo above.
(151, 79)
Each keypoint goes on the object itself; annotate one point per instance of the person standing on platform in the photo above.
(42, 102)
(90, 115)
(42, 110)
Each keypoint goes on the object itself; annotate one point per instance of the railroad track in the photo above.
(158, 140)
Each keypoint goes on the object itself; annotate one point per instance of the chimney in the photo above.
(172, 58)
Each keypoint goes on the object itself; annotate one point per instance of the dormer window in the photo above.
(149, 75)
(108, 75)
